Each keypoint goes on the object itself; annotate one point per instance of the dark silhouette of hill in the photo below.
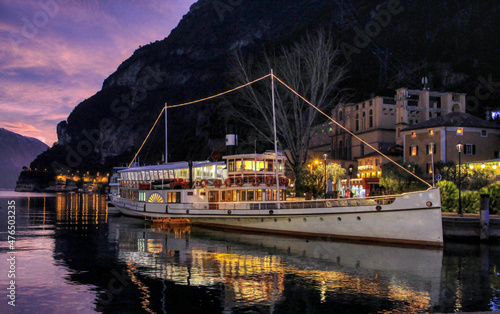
(17, 151)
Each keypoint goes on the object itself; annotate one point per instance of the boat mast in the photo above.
(166, 135)
(275, 140)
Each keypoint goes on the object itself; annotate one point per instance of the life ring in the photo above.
(283, 182)
(227, 182)
(238, 181)
(269, 181)
(255, 181)
(203, 183)
(197, 183)
(217, 183)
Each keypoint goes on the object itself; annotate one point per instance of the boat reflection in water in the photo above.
(280, 274)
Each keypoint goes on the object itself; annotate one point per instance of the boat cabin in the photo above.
(242, 178)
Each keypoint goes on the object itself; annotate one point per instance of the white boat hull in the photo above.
(413, 218)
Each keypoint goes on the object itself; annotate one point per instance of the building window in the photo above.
(363, 121)
(413, 134)
(470, 149)
(431, 132)
(484, 133)
(429, 168)
(340, 116)
(460, 131)
(371, 102)
(431, 149)
(413, 150)
(371, 117)
(357, 122)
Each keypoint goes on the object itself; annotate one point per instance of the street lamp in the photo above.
(459, 148)
(326, 185)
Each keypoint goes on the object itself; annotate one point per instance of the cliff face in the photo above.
(17, 151)
(386, 46)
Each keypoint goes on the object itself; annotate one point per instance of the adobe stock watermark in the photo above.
(31, 26)
(121, 107)
(224, 6)
(381, 19)
(484, 89)
(115, 287)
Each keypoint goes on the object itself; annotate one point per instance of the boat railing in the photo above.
(292, 204)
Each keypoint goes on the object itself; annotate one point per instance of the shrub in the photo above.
(471, 202)
(449, 196)
(494, 191)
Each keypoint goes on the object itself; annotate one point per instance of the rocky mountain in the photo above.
(386, 45)
(17, 151)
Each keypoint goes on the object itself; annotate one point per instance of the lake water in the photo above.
(70, 256)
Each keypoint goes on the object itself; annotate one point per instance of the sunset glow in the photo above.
(57, 53)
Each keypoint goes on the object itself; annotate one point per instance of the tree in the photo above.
(314, 181)
(311, 67)
(396, 180)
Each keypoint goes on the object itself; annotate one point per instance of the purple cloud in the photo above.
(57, 53)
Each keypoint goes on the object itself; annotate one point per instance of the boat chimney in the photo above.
(231, 139)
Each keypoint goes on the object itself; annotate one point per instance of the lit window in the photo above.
(429, 168)
(431, 132)
(413, 134)
(413, 150)
(484, 133)
(460, 131)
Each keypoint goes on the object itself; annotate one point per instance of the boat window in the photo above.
(243, 195)
(228, 196)
(239, 165)
(250, 195)
(231, 165)
(174, 197)
(155, 174)
(261, 166)
(183, 173)
(223, 196)
(269, 165)
(212, 196)
(235, 195)
(171, 174)
(197, 172)
(147, 175)
(258, 195)
(220, 169)
(249, 165)
(160, 175)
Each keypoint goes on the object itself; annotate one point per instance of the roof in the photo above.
(457, 119)
(175, 165)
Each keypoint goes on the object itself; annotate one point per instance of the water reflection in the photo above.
(74, 256)
(262, 271)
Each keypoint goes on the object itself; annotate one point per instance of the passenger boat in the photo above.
(247, 192)
(242, 193)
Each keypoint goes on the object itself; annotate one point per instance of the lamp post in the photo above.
(431, 144)
(459, 148)
(326, 185)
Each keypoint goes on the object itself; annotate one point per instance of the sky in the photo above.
(56, 53)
